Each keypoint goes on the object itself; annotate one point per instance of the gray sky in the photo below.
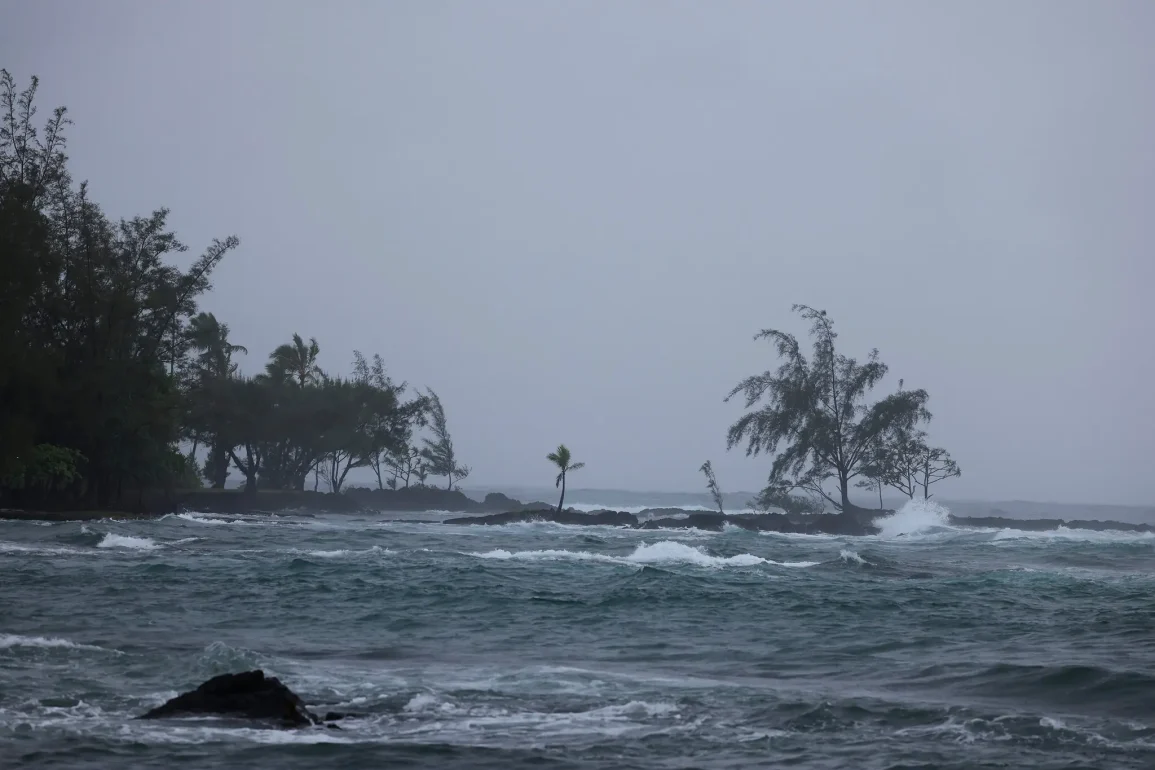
(571, 218)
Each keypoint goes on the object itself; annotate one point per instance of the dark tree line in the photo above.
(815, 415)
(113, 382)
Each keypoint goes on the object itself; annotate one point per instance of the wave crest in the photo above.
(661, 552)
(915, 517)
(113, 540)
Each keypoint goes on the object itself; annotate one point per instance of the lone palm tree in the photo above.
(561, 458)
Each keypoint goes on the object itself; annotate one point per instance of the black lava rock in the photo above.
(250, 695)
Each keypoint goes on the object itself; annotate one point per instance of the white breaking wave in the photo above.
(662, 552)
(341, 552)
(6, 547)
(1064, 533)
(669, 552)
(850, 556)
(14, 640)
(220, 522)
(423, 701)
(915, 517)
(112, 540)
(201, 520)
(590, 507)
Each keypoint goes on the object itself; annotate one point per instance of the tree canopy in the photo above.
(113, 379)
(816, 416)
(563, 461)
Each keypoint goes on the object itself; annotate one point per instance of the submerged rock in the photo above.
(249, 695)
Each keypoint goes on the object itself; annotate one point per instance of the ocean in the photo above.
(549, 646)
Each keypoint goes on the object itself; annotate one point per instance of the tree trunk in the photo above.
(880, 495)
(843, 484)
(562, 500)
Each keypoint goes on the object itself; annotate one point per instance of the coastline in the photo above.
(499, 510)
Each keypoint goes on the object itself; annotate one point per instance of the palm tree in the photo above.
(561, 458)
(214, 365)
(296, 360)
(211, 338)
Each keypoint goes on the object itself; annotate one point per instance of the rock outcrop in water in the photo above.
(248, 695)
(1044, 525)
(855, 522)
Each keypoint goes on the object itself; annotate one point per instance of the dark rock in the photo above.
(496, 501)
(851, 522)
(711, 522)
(266, 501)
(603, 518)
(250, 695)
(668, 512)
(999, 522)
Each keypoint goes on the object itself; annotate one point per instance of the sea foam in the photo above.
(113, 540)
(15, 640)
(915, 517)
(661, 552)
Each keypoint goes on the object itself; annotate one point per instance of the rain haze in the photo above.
(571, 219)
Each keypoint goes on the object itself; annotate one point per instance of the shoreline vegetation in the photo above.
(119, 397)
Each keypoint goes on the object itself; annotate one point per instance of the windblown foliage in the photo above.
(94, 319)
(816, 415)
(562, 459)
(109, 365)
(712, 485)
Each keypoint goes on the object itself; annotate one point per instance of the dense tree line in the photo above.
(112, 381)
(816, 416)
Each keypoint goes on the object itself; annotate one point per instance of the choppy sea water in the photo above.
(548, 646)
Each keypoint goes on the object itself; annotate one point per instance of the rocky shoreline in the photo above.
(497, 508)
(856, 522)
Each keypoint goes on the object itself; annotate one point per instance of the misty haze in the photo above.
(634, 384)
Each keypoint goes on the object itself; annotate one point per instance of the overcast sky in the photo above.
(570, 219)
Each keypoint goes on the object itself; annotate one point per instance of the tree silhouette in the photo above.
(561, 458)
(296, 361)
(818, 410)
(712, 485)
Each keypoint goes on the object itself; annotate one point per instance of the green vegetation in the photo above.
(712, 485)
(817, 418)
(562, 459)
(115, 382)
(110, 368)
(438, 456)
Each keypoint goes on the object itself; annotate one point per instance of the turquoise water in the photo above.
(547, 646)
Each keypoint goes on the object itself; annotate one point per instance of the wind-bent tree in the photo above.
(936, 465)
(93, 319)
(210, 338)
(439, 455)
(296, 361)
(561, 458)
(401, 465)
(388, 426)
(898, 458)
(214, 363)
(818, 411)
(871, 482)
(712, 485)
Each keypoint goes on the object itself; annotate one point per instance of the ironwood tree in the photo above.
(815, 414)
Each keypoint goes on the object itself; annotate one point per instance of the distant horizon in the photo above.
(573, 492)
